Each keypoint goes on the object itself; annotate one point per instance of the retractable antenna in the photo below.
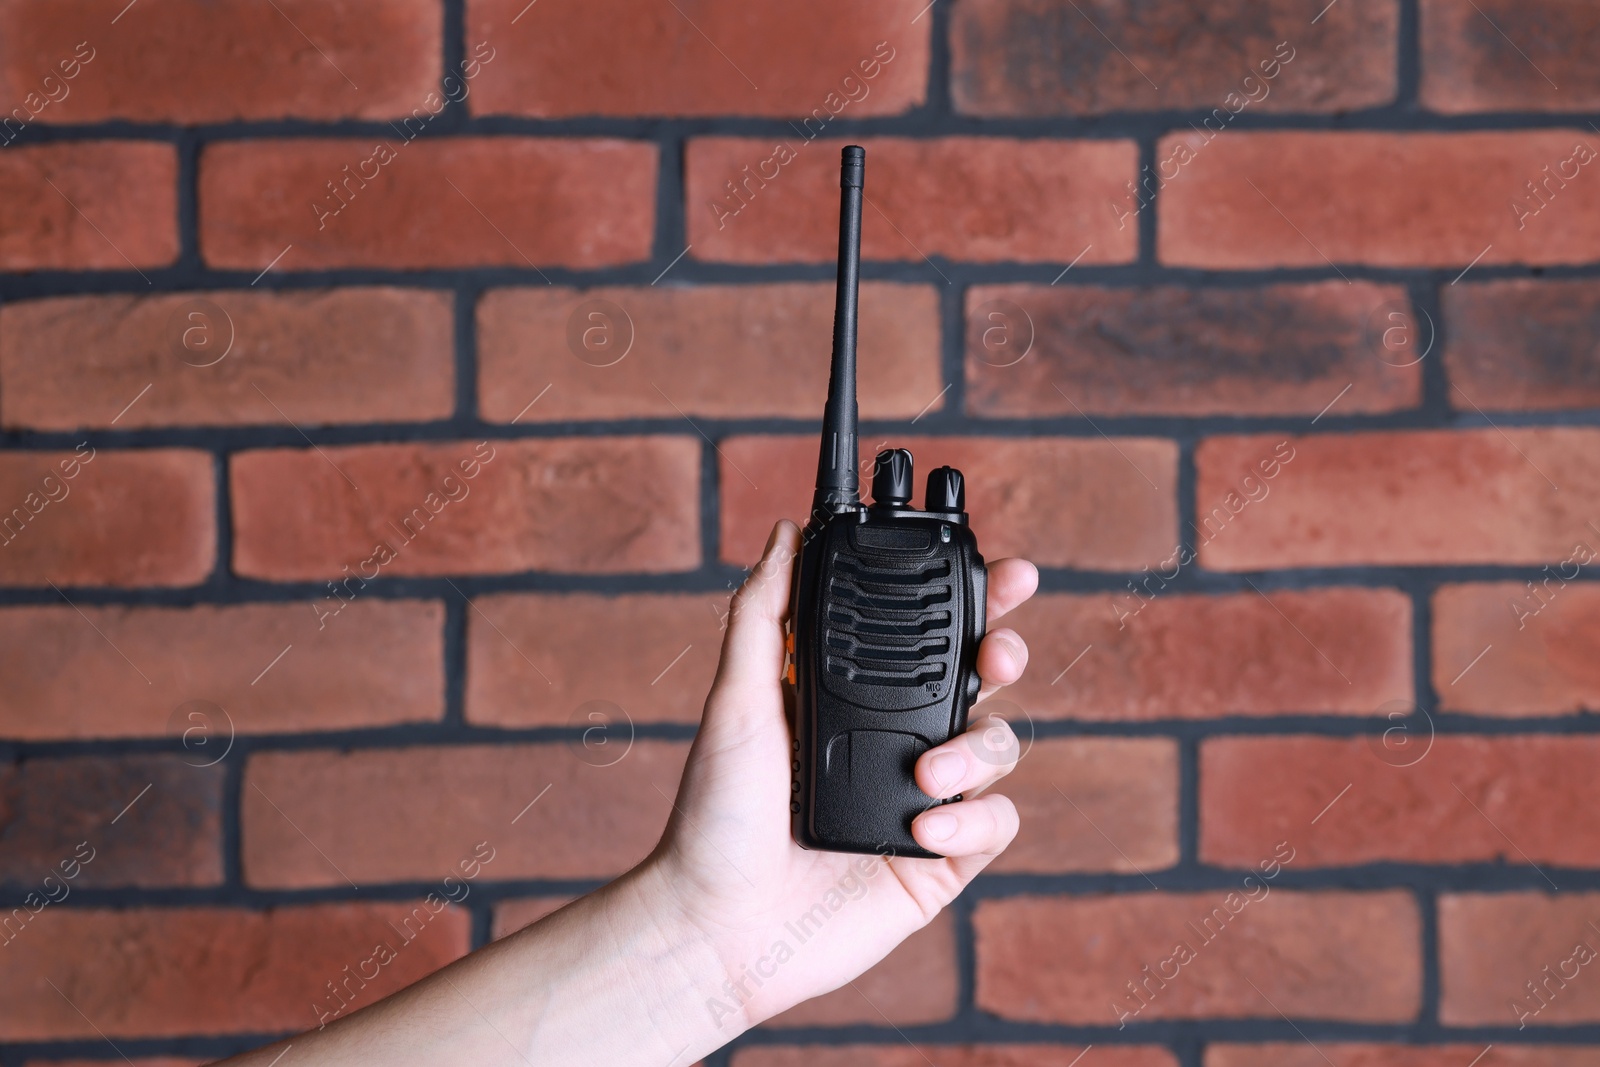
(838, 481)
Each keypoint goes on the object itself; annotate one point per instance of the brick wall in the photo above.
(1266, 328)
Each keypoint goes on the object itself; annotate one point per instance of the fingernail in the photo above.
(939, 825)
(946, 768)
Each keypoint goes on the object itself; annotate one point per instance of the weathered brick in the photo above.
(1326, 955)
(1500, 648)
(408, 815)
(1501, 952)
(1405, 796)
(1032, 57)
(722, 351)
(983, 199)
(146, 820)
(301, 358)
(540, 659)
(827, 58)
(1280, 349)
(405, 203)
(1522, 344)
(204, 673)
(590, 505)
(205, 970)
(136, 1061)
(1349, 1054)
(906, 1054)
(1089, 803)
(92, 61)
(914, 985)
(88, 205)
(1493, 55)
(1061, 502)
(512, 915)
(95, 517)
(1182, 656)
(1428, 497)
(1304, 199)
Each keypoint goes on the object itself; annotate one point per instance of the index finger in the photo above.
(1011, 581)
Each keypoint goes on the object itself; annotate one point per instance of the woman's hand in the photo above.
(729, 921)
(789, 924)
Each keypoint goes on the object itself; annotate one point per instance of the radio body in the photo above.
(887, 613)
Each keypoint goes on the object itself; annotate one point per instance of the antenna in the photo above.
(837, 478)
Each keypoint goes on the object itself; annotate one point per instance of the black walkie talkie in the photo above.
(888, 612)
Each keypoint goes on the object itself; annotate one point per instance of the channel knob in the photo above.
(891, 478)
(947, 490)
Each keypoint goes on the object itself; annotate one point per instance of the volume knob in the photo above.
(891, 478)
(947, 490)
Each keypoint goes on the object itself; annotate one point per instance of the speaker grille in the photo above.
(889, 627)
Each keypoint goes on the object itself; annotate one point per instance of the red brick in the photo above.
(1089, 803)
(203, 970)
(405, 815)
(114, 206)
(906, 1054)
(1492, 945)
(133, 671)
(1386, 199)
(1491, 55)
(539, 659)
(728, 60)
(914, 985)
(1327, 955)
(1280, 349)
(1184, 656)
(1540, 658)
(306, 59)
(94, 517)
(146, 821)
(227, 359)
(1061, 502)
(1031, 57)
(982, 199)
(589, 505)
(1429, 497)
(1523, 344)
(1343, 1054)
(722, 351)
(1416, 799)
(137, 1061)
(518, 201)
(512, 915)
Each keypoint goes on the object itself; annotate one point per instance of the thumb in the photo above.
(752, 649)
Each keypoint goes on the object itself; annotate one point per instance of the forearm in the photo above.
(612, 978)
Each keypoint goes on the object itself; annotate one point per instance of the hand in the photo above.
(790, 924)
(729, 921)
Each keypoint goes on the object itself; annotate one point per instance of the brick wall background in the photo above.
(1298, 419)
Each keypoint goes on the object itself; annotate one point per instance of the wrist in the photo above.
(740, 953)
(685, 966)
(620, 977)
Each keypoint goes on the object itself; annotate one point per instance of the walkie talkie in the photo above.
(888, 611)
